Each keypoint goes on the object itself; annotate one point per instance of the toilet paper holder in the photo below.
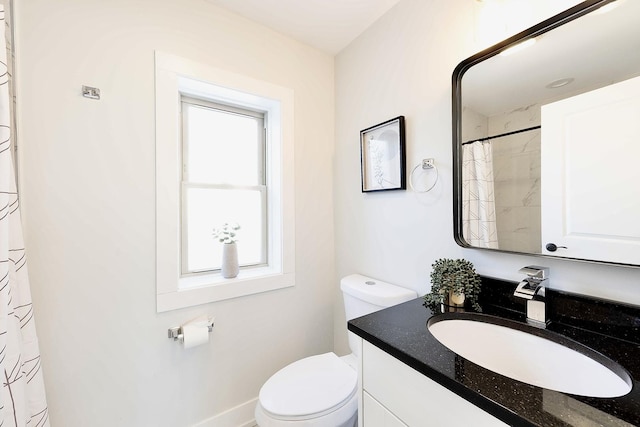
(177, 335)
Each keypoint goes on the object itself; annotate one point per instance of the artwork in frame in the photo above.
(382, 156)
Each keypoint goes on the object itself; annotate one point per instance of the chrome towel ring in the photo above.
(427, 164)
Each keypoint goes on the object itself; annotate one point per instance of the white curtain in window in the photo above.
(23, 402)
(478, 201)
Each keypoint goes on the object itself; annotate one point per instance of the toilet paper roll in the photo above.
(195, 332)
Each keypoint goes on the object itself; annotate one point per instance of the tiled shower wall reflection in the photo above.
(516, 172)
(516, 164)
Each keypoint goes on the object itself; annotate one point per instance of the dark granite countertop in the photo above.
(610, 328)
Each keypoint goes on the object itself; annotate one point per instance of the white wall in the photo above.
(88, 195)
(402, 66)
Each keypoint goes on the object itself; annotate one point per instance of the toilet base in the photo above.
(345, 416)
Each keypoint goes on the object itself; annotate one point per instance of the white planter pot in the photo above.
(230, 266)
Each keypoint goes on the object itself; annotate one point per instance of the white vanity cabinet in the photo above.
(393, 394)
(378, 415)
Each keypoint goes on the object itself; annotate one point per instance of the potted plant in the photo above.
(227, 236)
(454, 283)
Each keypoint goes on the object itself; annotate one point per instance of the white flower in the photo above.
(226, 233)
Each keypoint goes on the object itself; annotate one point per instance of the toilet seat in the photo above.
(309, 388)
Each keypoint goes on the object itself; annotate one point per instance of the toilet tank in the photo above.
(363, 295)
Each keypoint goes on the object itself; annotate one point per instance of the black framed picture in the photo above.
(382, 156)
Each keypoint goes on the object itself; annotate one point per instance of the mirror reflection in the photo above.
(547, 134)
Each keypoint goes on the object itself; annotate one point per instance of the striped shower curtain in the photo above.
(22, 401)
(478, 201)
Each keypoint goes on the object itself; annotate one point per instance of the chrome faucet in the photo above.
(532, 288)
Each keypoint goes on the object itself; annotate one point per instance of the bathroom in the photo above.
(87, 178)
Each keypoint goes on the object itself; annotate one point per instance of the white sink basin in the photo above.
(531, 355)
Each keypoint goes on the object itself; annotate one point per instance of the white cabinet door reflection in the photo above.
(590, 153)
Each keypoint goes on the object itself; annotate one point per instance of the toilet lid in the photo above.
(315, 385)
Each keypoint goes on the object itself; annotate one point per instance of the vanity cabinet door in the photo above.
(376, 415)
(412, 398)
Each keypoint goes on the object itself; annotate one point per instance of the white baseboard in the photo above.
(240, 416)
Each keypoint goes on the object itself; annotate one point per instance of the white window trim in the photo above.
(176, 76)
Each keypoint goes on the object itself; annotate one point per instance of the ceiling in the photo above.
(329, 25)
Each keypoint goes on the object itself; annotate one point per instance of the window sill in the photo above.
(209, 288)
(215, 279)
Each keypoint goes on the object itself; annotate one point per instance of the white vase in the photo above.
(230, 267)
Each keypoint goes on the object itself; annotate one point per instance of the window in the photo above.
(223, 181)
(224, 153)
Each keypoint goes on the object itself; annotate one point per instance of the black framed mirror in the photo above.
(546, 137)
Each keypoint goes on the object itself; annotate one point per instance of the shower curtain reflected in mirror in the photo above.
(478, 200)
(23, 402)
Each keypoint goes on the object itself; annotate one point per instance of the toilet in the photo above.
(321, 390)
